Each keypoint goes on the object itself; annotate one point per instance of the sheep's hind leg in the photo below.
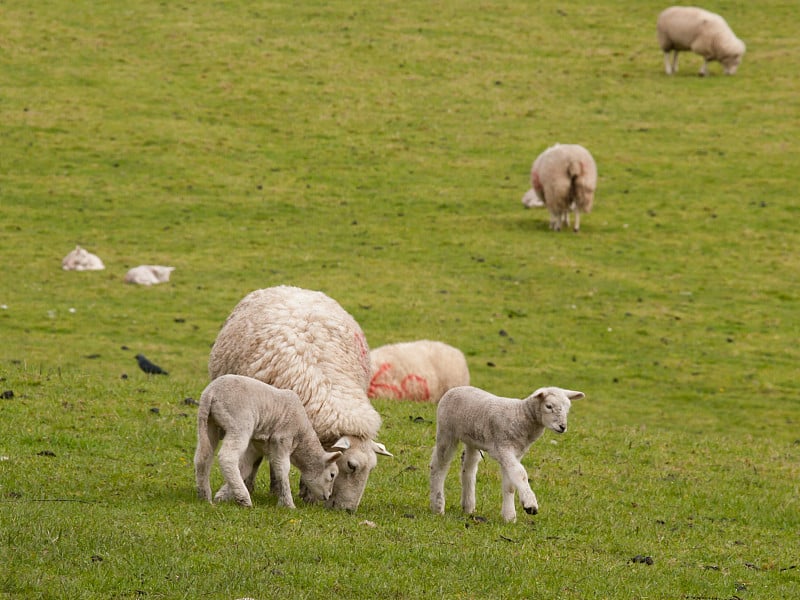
(704, 69)
(577, 227)
(440, 463)
(469, 471)
(229, 463)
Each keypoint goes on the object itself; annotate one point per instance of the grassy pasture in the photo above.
(379, 152)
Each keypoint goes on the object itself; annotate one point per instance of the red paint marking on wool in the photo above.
(405, 390)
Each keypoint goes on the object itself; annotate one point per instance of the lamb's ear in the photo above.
(343, 443)
(573, 395)
(332, 457)
(540, 393)
(380, 449)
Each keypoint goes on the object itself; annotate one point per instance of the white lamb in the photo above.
(564, 179)
(703, 32)
(82, 260)
(148, 274)
(304, 341)
(504, 428)
(255, 420)
(422, 370)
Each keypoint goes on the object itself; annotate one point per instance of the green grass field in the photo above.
(378, 152)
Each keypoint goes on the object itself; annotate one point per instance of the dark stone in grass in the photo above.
(490, 364)
(92, 356)
(155, 410)
(97, 558)
(123, 376)
(190, 402)
(640, 558)
(46, 453)
(7, 394)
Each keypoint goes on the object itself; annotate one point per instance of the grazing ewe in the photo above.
(422, 370)
(304, 341)
(255, 419)
(148, 274)
(563, 178)
(504, 428)
(82, 260)
(704, 33)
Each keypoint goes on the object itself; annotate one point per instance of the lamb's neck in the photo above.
(533, 419)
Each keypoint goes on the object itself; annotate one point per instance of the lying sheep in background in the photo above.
(563, 178)
(704, 33)
(505, 428)
(422, 370)
(82, 260)
(148, 274)
(255, 420)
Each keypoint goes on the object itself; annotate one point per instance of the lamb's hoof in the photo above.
(531, 510)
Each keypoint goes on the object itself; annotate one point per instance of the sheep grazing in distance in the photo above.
(422, 370)
(705, 33)
(82, 260)
(505, 428)
(148, 274)
(254, 419)
(305, 341)
(564, 179)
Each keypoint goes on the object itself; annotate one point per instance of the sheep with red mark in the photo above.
(421, 370)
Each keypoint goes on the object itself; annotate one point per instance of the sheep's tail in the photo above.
(583, 180)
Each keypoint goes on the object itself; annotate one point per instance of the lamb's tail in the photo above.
(207, 438)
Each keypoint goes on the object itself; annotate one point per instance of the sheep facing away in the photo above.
(563, 179)
(705, 33)
(148, 274)
(422, 370)
(81, 259)
(304, 341)
(254, 419)
(504, 428)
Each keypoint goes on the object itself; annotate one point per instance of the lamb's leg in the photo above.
(229, 461)
(279, 465)
(469, 472)
(516, 478)
(207, 440)
(577, 227)
(248, 466)
(704, 69)
(671, 62)
(440, 463)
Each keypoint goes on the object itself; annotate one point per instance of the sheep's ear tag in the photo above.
(381, 449)
(343, 443)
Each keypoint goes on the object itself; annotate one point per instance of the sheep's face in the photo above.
(319, 485)
(730, 64)
(355, 464)
(554, 405)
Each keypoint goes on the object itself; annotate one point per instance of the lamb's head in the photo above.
(553, 406)
(317, 483)
(359, 457)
